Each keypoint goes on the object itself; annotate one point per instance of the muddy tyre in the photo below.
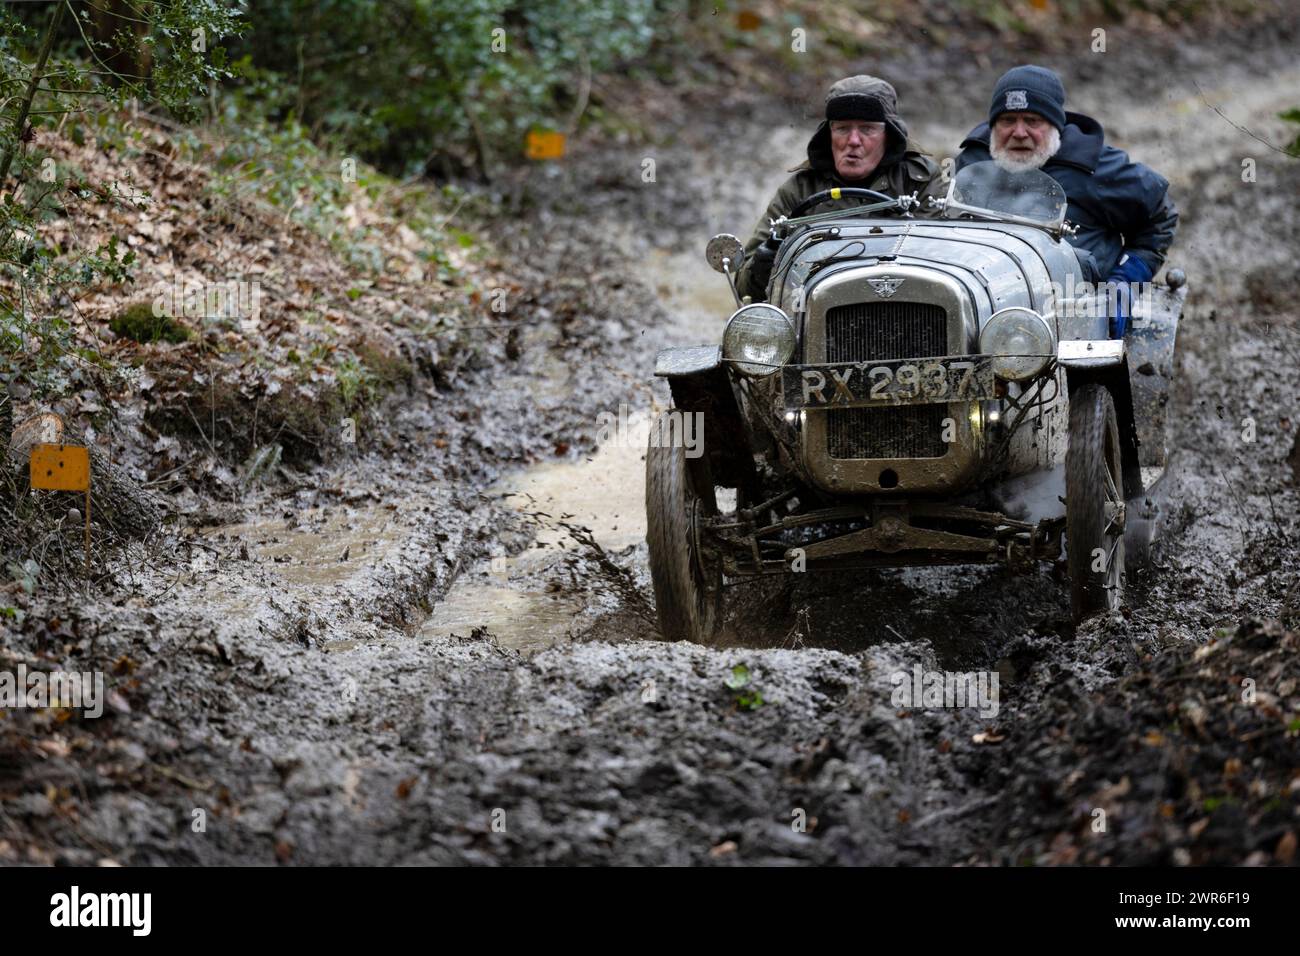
(1094, 504)
(687, 584)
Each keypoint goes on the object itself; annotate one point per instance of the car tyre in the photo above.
(687, 583)
(1094, 504)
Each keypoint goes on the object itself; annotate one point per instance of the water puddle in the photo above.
(318, 546)
(526, 619)
(603, 493)
(311, 555)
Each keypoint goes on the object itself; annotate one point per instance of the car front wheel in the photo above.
(1094, 508)
(679, 496)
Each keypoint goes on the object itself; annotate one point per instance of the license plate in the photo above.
(922, 381)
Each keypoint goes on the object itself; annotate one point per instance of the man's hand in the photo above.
(760, 265)
(1128, 271)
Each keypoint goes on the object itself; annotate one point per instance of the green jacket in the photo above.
(902, 169)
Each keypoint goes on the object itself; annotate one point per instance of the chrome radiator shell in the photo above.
(930, 314)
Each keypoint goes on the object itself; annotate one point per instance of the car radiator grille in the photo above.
(871, 331)
(868, 331)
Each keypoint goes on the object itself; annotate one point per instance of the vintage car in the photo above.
(915, 391)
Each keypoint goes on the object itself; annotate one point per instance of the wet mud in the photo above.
(446, 655)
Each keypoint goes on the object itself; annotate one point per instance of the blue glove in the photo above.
(1129, 269)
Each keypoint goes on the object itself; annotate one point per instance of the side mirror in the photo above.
(724, 253)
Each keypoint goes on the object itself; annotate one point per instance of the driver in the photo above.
(1125, 217)
(861, 143)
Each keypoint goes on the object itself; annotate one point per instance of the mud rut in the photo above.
(403, 652)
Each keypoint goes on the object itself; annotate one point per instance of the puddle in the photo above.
(526, 619)
(316, 555)
(319, 546)
(603, 493)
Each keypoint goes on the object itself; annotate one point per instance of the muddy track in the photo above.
(409, 659)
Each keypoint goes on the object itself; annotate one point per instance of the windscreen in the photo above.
(1030, 195)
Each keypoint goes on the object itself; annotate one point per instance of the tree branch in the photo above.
(20, 122)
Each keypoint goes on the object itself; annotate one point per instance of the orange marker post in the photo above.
(545, 144)
(63, 468)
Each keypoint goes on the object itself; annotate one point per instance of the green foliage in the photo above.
(746, 696)
(37, 281)
(26, 574)
(409, 82)
(1292, 116)
(355, 382)
(77, 59)
(278, 163)
(138, 323)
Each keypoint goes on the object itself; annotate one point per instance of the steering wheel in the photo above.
(846, 192)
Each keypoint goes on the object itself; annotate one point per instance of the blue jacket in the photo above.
(1119, 205)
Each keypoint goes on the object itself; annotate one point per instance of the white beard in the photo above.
(1013, 164)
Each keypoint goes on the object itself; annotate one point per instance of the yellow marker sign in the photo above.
(63, 468)
(545, 144)
(835, 192)
(60, 468)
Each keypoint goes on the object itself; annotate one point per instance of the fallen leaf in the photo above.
(1285, 851)
(1115, 791)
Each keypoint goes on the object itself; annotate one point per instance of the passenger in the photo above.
(1125, 216)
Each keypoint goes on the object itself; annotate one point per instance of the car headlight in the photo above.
(1020, 341)
(759, 338)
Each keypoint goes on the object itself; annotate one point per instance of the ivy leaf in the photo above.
(739, 677)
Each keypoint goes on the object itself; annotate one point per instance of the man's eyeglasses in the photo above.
(845, 128)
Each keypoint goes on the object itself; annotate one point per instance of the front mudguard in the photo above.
(1116, 379)
(700, 383)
